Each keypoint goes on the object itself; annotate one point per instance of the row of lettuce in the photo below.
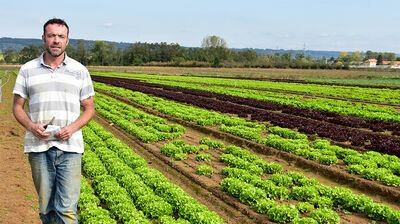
(371, 165)
(370, 111)
(132, 192)
(383, 84)
(356, 93)
(144, 126)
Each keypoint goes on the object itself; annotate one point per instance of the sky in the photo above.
(340, 25)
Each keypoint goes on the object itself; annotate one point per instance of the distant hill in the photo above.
(17, 44)
(313, 54)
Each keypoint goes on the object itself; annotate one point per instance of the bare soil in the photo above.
(18, 198)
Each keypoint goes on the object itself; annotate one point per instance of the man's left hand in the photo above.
(64, 134)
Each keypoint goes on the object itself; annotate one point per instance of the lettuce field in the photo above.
(208, 149)
(241, 150)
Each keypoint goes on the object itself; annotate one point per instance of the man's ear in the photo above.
(44, 38)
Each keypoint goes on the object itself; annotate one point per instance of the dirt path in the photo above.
(18, 198)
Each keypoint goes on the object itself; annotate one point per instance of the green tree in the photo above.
(287, 56)
(355, 56)
(42, 48)
(370, 55)
(213, 41)
(217, 55)
(389, 56)
(118, 57)
(9, 56)
(246, 56)
(28, 53)
(137, 53)
(71, 51)
(349, 58)
(110, 54)
(164, 52)
(300, 56)
(309, 58)
(81, 54)
(379, 60)
(99, 53)
(386, 56)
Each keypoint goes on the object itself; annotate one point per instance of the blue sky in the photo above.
(343, 25)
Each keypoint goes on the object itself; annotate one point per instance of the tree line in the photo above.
(213, 53)
(344, 57)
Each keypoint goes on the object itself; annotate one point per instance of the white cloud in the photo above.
(324, 35)
(107, 24)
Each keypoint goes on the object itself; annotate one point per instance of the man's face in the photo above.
(55, 39)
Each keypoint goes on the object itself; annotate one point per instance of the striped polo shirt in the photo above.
(55, 93)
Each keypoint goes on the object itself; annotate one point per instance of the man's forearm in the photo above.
(24, 120)
(22, 117)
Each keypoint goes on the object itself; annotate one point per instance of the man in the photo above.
(56, 86)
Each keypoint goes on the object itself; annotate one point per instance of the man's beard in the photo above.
(54, 55)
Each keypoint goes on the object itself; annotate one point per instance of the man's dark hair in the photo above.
(55, 21)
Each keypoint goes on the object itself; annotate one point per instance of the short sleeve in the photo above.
(20, 86)
(87, 89)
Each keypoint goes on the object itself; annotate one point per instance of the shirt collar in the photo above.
(65, 62)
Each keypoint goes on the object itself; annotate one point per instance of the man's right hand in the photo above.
(38, 129)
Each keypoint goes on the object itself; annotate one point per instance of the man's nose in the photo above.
(56, 40)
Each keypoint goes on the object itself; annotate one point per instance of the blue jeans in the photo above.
(57, 178)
